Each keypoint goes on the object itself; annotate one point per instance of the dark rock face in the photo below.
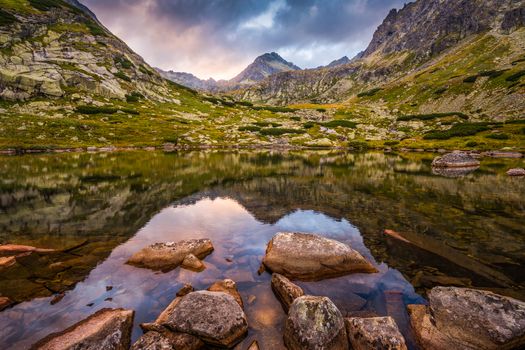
(285, 290)
(108, 329)
(311, 257)
(469, 319)
(431, 26)
(374, 333)
(167, 256)
(513, 19)
(214, 317)
(455, 160)
(315, 323)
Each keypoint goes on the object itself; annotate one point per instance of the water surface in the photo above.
(101, 208)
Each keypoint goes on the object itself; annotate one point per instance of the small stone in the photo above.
(315, 323)
(227, 286)
(191, 262)
(186, 289)
(374, 333)
(108, 329)
(254, 345)
(108, 288)
(516, 172)
(285, 290)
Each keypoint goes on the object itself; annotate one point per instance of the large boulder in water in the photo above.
(315, 323)
(455, 160)
(108, 329)
(311, 257)
(214, 317)
(374, 333)
(167, 256)
(462, 318)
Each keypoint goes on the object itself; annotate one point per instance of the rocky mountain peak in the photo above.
(264, 66)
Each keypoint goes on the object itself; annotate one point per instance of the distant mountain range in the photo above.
(261, 68)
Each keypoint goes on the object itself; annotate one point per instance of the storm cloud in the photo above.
(218, 38)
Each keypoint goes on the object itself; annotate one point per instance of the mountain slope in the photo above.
(411, 40)
(52, 48)
(261, 68)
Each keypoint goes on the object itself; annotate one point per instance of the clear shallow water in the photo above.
(105, 207)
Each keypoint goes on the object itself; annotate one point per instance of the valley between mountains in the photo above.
(437, 74)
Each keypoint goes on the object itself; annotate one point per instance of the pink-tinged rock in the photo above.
(307, 256)
(516, 172)
(168, 256)
(374, 333)
(108, 329)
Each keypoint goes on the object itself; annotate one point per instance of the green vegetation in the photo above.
(471, 144)
(464, 129)
(441, 90)
(122, 75)
(516, 76)
(94, 28)
(491, 73)
(265, 123)
(123, 62)
(134, 97)
(45, 5)
(470, 79)
(498, 136)
(309, 125)
(358, 145)
(274, 109)
(371, 92)
(251, 128)
(431, 116)
(245, 103)
(339, 122)
(6, 18)
(96, 110)
(391, 143)
(280, 131)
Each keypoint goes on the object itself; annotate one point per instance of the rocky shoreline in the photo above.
(215, 317)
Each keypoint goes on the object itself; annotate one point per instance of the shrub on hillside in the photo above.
(369, 93)
(501, 136)
(280, 131)
(339, 122)
(464, 129)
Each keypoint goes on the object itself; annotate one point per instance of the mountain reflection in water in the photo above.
(101, 208)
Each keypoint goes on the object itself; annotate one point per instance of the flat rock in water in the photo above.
(455, 160)
(469, 319)
(108, 329)
(227, 286)
(311, 257)
(166, 340)
(214, 317)
(516, 172)
(374, 333)
(315, 323)
(285, 290)
(167, 256)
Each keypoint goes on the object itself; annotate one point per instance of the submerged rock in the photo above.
(5, 302)
(227, 286)
(312, 257)
(516, 172)
(462, 318)
(166, 340)
(455, 160)
(214, 317)
(374, 333)
(167, 256)
(314, 323)
(285, 290)
(108, 329)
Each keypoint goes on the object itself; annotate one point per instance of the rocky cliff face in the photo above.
(407, 40)
(56, 48)
(427, 28)
(190, 80)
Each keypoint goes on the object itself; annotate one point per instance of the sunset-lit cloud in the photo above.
(218, 38)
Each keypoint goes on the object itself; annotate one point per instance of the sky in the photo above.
(219, 38)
